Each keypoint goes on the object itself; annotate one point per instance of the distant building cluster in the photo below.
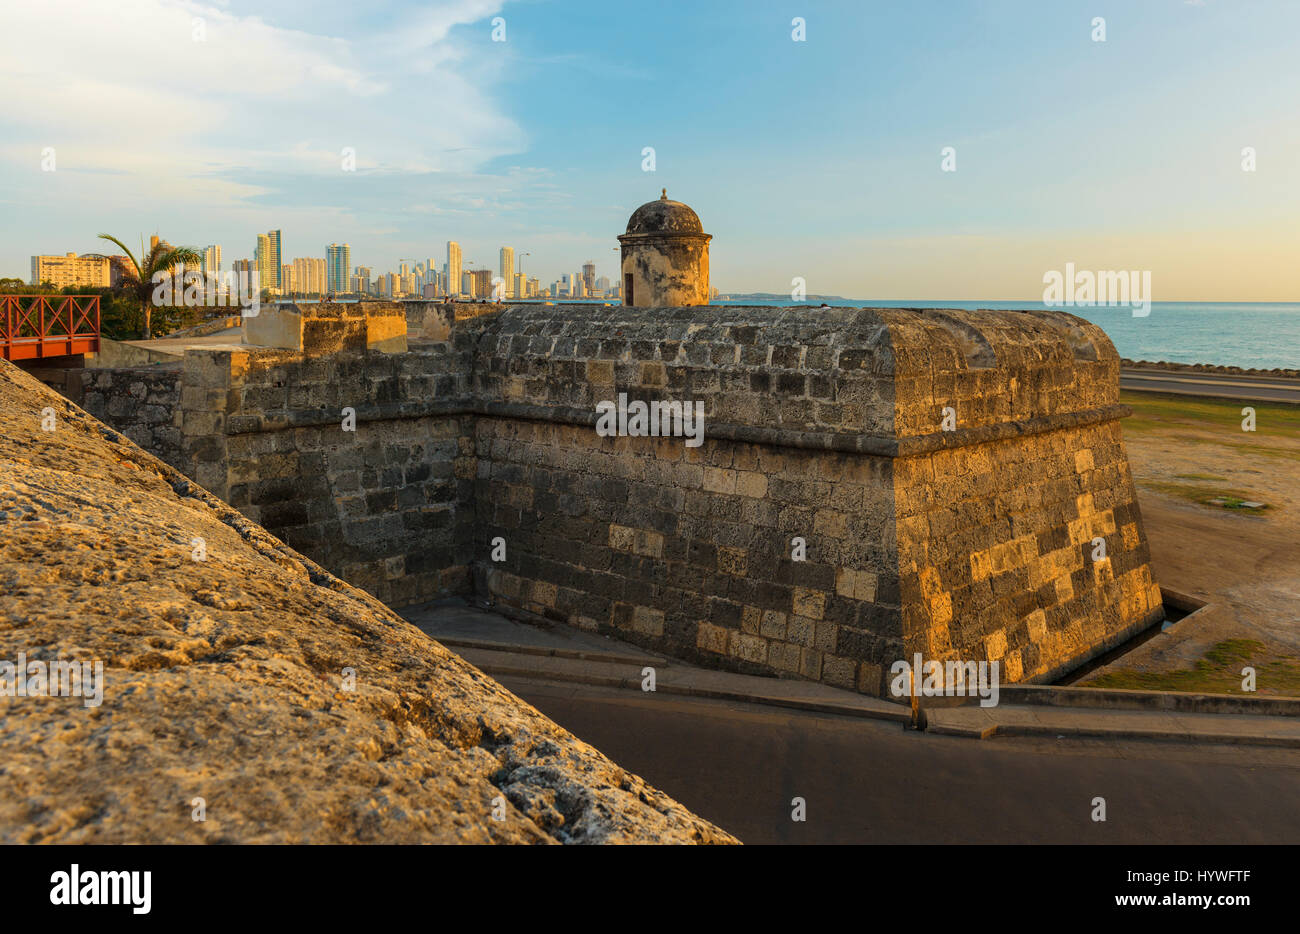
(334, 275)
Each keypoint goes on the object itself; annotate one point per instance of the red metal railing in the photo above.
(37, 326)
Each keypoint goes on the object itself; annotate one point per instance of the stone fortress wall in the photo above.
(825, 425)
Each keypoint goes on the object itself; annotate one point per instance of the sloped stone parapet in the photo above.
(244, 684)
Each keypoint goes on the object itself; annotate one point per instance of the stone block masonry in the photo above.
(141, 402)
(873, 482)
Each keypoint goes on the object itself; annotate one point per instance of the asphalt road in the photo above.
(1218, 385)
(866, 781)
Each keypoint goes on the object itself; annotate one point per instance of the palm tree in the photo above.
(138, 282)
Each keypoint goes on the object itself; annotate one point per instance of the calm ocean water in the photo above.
(1252, 334)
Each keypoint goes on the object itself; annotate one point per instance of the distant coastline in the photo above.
(1248, 336)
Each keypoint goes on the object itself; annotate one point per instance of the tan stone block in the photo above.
(711, 638)
(825, 636)
(543, 593)
(1013, 668)
(1083, 461)
(750, 483)
(995, 645)
(747, 647)
(648, 621)
(652, 374)
(830, 523)
(864, 586)
(719, 480)
(600, 372)
(846, 582)
(649, 544)
(773, 625)
(1037, 623)
(751, 619)
(783, 656)
(810, 603)
(1064, 589)
(733, 561)
(622, 538)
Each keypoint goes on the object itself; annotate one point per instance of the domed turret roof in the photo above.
(664, 216)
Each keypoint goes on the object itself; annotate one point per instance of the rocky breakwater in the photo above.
(247, 694)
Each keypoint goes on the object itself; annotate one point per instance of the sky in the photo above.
(820, 159)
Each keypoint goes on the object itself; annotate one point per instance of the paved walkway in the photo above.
(1214, 385)
(554, 653)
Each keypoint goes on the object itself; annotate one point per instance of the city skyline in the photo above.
(793, 176)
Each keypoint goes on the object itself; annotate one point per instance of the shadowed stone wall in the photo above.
(141, 402)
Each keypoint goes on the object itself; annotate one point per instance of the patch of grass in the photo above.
(1208, 496)
(1151, 410)
(1217, 672)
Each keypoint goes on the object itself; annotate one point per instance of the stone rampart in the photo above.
(871, 482)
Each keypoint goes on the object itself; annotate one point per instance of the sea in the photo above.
(1252, 335)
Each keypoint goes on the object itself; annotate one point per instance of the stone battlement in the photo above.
(872, 482)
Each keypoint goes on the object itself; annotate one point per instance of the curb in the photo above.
(1027, 695)
(553, 652)
(792, 703)
(1167, 701)
(1128, 733)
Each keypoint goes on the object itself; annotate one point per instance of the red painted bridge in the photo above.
(35, 327)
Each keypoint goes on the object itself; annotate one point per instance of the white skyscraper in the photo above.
(453, 265)
(212, 260)
(507, 270)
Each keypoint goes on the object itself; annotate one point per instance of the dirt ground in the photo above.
(1195, 466)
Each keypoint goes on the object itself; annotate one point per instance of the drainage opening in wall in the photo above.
(1177, 606)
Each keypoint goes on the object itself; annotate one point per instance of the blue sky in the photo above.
(819, 159)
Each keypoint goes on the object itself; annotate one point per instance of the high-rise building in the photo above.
(507, 270)
(245, 270)
(262, 258)
(361, 276)
(453, 264)
(89, 269)
(589, 276)
(273, 236)
(308, 276)
(520, 287)
(338, 260)
(212, 260)
(482, 283)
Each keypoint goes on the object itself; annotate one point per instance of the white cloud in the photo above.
(124, 88)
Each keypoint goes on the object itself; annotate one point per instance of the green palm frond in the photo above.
(129, 254)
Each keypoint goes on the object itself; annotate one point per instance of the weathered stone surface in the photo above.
(224, 680)
(947, 471)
